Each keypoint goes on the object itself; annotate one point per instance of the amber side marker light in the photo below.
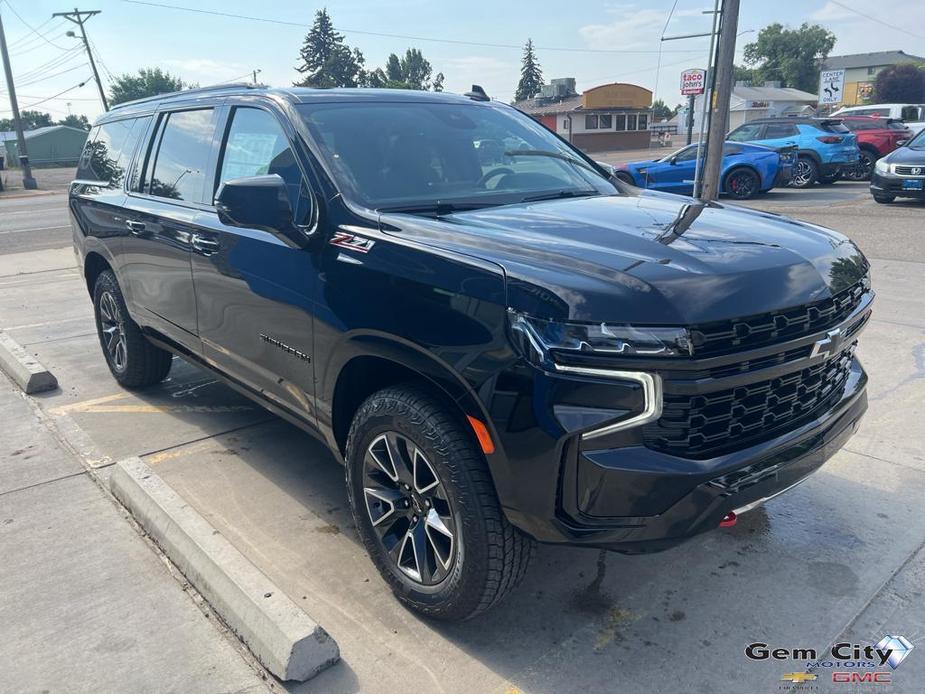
(481, 433)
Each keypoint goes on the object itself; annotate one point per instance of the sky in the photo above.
(595, 42)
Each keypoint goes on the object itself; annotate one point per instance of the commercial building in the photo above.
(54, 145)
(861, 72)
(771, 100)
(607, 117)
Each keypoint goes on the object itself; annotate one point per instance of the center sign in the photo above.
(693, 82)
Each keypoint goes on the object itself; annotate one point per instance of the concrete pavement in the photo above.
(838, 557)
(85, 604)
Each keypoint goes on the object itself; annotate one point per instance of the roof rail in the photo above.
(186, 92)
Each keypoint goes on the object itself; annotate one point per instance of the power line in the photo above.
(22, 50)
(877, 20)
(407, 37)
(26, 37)
(56, 62)
(31, 28)
(48, 77)
(49, 98)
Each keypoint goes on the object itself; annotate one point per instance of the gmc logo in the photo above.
(854, 677)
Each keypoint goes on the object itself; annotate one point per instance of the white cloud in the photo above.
(633, 28)
(205, 70)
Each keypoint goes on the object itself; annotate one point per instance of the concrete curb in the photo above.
(282, 637)
(23, 368)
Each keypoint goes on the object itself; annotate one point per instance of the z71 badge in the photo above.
(345, 239)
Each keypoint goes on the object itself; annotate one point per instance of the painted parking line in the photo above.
(24, 326)
(104, 405)
(37, 210)
(22, 231)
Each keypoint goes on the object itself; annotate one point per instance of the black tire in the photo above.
(884, 199)
(805, 172)
(486, 556)
(133, 361)
(741, 184)
(830, 178)
(865, 166)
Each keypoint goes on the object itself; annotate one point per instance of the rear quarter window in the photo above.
(182, 157)
(108, 151)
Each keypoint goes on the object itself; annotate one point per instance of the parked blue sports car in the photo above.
(747, 170)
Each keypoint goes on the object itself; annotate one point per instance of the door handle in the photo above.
(204, 245)
(135, 227)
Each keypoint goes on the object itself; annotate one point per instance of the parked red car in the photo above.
(877, 137)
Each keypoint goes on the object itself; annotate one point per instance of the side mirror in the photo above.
(256, 202)
(673, 161)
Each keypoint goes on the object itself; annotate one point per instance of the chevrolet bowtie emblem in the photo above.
(798, 677)
(828, 345)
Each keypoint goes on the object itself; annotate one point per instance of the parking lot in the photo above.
(840, 558)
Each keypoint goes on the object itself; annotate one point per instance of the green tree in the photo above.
(903, 83)
(791, 56)
(662, 111)
(745, 74)
(148, 82)
(75, 122)
(411, 71)
(30, 121)
(326, 60)
(531, 77)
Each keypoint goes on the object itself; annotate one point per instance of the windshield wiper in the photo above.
(438, 208)
(558, 194)
(553, 155)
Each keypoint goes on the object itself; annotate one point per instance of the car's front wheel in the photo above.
(133, 361)
(805, 173)
(884, 199)
(426, 509)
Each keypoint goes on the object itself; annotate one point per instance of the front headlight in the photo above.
(603, 339)
(882, 167)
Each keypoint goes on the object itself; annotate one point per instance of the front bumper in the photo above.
(700, 493)
(627, 491)
(889, 184)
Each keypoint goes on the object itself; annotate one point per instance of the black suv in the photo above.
(500, 351)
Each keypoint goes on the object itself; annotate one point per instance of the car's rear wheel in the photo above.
(426, 509)
(133, 361)
(862, 170)
(831, 178)
(884, 199)
(805, 172)
(741, 184)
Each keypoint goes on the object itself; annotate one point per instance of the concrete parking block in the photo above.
(280, 634)
(25, 370)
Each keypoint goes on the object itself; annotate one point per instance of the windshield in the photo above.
(917, 142)
(415, 155)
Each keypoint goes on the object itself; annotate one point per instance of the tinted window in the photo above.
(395, 153)
(183, 155)
(910, 113)
(108, 151)
(744, 133)
(855, 125)
(256, 145)
(831, 127)
(778, 130)
(687, 154)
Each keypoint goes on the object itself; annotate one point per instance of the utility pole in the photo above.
(719, 115)
(690, 118)
(79, 18)
(27, 181)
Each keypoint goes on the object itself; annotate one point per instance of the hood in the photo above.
(907, 155)
(651, 258)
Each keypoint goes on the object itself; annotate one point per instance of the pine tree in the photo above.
(326, 60)
(531, 77)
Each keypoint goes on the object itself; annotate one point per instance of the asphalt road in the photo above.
(33, 223)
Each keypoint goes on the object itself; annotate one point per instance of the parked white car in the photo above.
(912, 114)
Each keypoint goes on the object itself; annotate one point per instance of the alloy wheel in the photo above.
(862, 170)
(802, 173)
(409, 509)
(741, 185)
(112, 328)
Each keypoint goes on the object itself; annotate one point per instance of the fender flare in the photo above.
(441, 375)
